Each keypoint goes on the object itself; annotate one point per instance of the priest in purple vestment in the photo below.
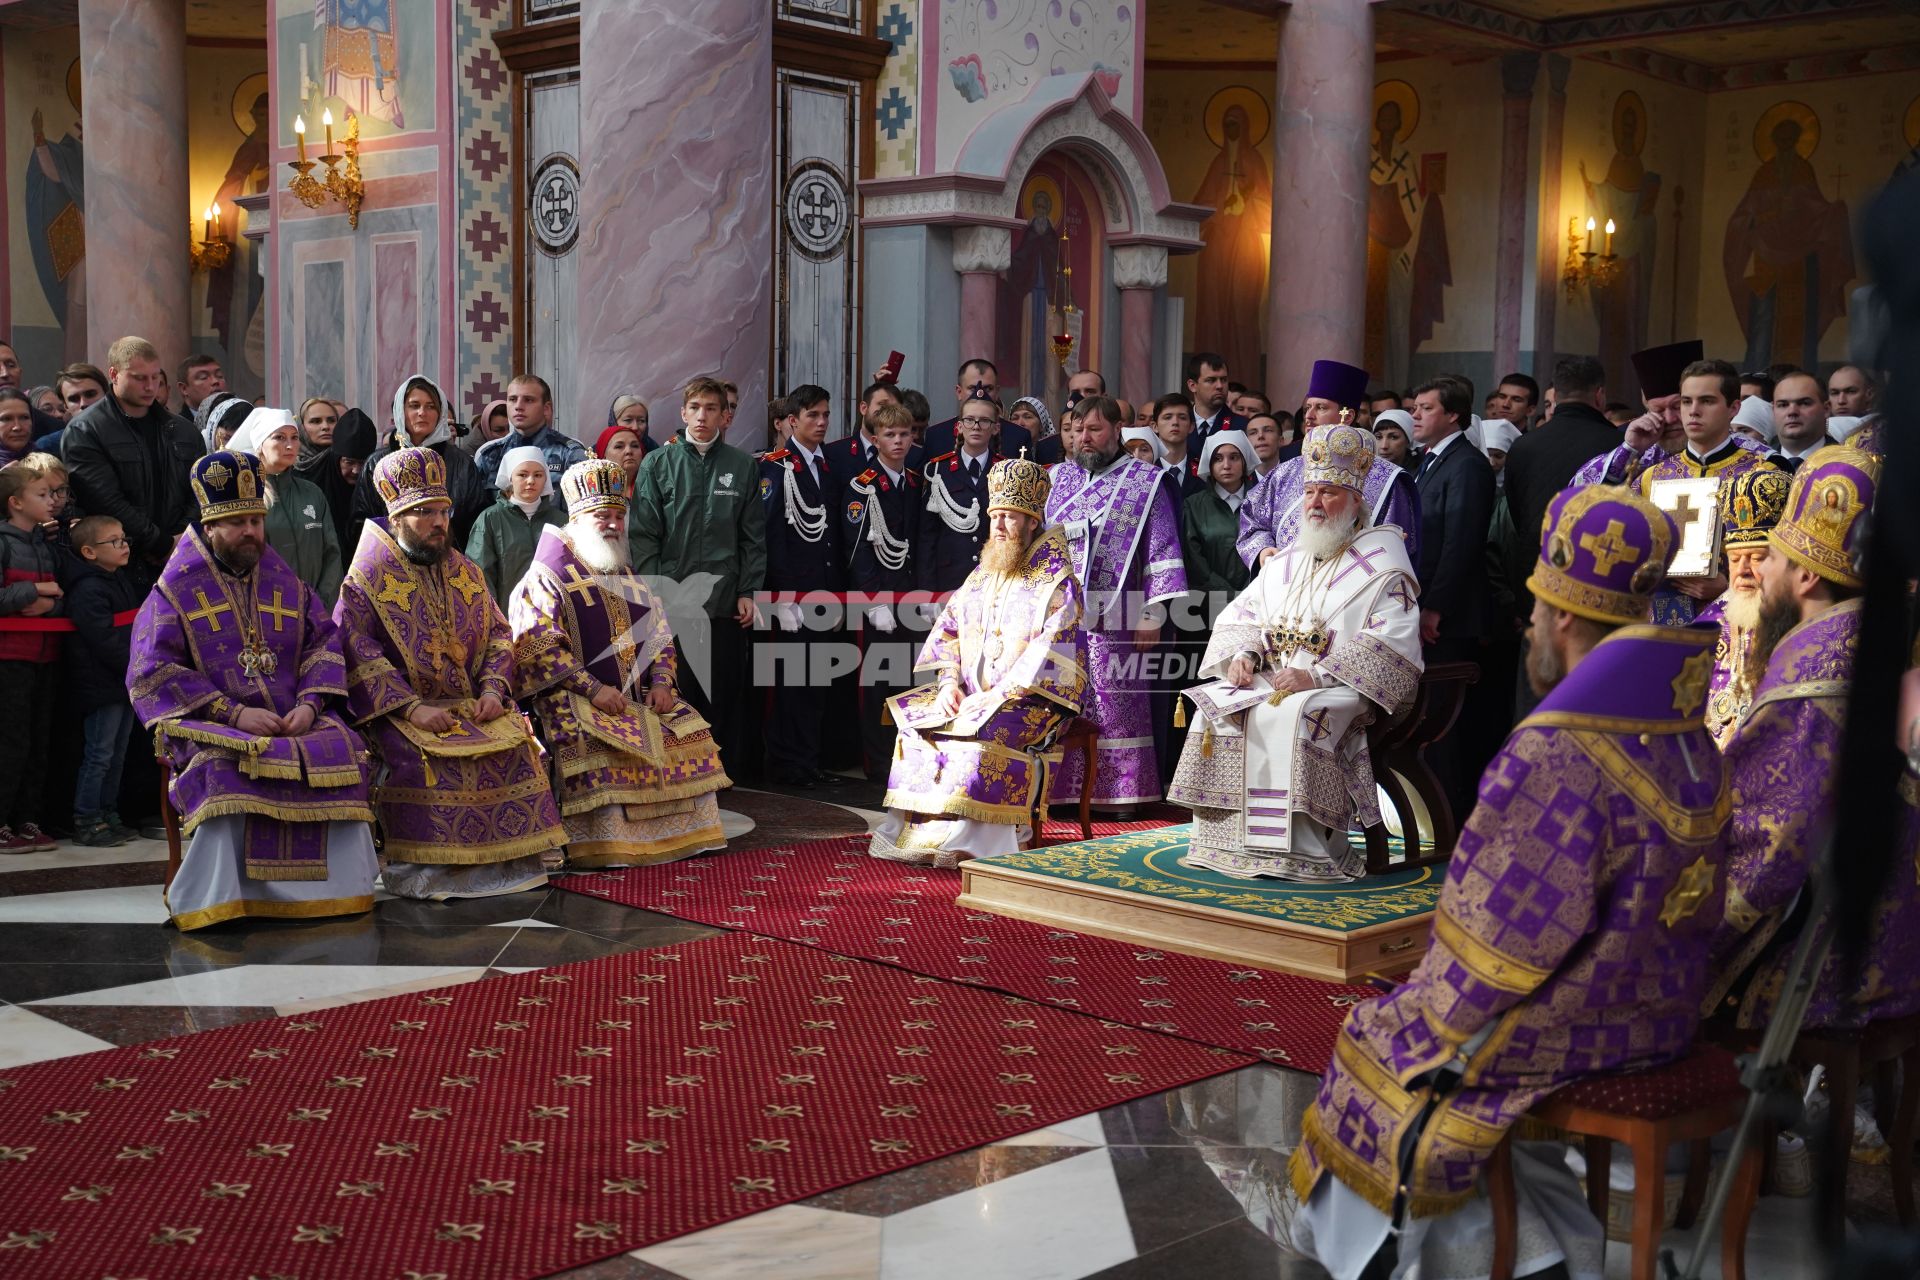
(465, 808)
(1009, 659)
(1570, 937)
(1750, 505)
(1784, 762)
(636, 770)
(235, 663)
(1123, 531)
(1270, 517)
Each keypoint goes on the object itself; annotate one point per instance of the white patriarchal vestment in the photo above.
(1276, 782)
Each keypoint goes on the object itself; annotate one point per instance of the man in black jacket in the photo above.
(128, 457)
(1543, 461)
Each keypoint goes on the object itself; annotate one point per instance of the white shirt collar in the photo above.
(1232, 499)
(814, 457)
(1817, 444)
(893, 477)
(971, 458)
(1435, 450)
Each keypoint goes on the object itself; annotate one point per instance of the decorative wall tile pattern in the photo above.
(485, 207)
(896, 120)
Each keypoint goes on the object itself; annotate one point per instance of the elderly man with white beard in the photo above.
(1323, 640)
(1751, 504)
(635, 768)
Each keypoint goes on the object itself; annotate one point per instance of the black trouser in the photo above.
(1452, 757)
(27, 691)
(787, 662)
(725, 697)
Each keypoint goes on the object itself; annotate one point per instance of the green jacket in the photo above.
(695, 514)
(502, 543)
(1207, 533)
(300, 528)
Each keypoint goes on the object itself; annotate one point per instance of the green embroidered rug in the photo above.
(1148, 863)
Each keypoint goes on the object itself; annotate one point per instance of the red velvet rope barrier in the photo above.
(60, 624)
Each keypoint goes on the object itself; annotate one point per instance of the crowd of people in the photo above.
(461, 659)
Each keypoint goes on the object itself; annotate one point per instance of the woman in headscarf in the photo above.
(631, 412)
(353, 440)
(506, 533)
(299, 526)
(490, 425)
(218, 417)
(1210, 517)
(627, 445)
(421, 420)
(316, 420)
(1031, 412)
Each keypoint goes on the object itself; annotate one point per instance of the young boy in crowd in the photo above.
(100, 600)
(29, 660)
(49, 468)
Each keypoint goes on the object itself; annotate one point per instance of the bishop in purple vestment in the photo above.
(464, 803)
(1571, 934)
(1123, 532)
(235, 664)
(1784, 762)
(635, 767)
(1009, 659)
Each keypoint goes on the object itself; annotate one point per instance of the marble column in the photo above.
(1518, 71)
(1316, 303)
(1138, 271)
(133, 73)
(678, 195)
(981, 255)
(1553, 227)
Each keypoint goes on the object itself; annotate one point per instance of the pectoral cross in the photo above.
(209, 612)
(1609, 547)
(442, 648)
(279, 610)
(582, 587)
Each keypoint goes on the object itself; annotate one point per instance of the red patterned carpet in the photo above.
(523, 1125)
(829, 894)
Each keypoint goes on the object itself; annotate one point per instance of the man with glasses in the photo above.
(953, 525)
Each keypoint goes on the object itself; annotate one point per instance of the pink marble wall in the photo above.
(1517, 73)
(1322, 123)
(1136, 345)
(677, 185)
(396, 311)
(979, 307)
(136, 171)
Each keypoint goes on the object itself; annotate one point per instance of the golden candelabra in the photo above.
(342, 181)
(1585, 266)
(214, 250)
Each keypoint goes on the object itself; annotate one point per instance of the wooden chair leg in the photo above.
(1649, 1203)
(170, 821)
(1086, 789)
(1379, 854)
(1886, 1075)
(1843, 1090)
(1599, 1153)
(1506, 1214)
(1694, 1193)
(1901, 1139)
(1740, 1203)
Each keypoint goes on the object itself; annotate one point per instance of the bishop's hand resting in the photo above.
(1240, 672)
(432, 719)
(610, 700)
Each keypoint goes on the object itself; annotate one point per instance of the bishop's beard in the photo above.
(1779, 614)
(1743, 607)
(1004, 556)
(1323, 541)
(600, 553)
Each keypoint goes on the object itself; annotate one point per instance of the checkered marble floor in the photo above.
(1131, 1193)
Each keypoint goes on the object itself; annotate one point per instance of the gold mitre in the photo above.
(1018, 484)
(1338, 454)
(593, 485)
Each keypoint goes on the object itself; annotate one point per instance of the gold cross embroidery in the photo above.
(279, 610)
(582, 587)
(208, 611)
(467, 584)
(1609, 547)
(1690, 686)
(1688, 893)
(395, 592)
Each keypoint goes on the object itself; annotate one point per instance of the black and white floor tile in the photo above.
(1131, 1193)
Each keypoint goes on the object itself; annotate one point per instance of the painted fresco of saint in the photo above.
(360, 56)
(1788, 254)
(235, 290)
(56, 222)
(1627, 195)
(1409, 266)
(1231, 294)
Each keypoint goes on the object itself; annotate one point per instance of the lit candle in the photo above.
(326, 122)
(1589, 235)
(216, 219)
(300, 136)
(1609, 241)
(206, 230)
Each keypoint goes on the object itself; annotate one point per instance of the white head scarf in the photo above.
(257, 426)
(1238, 439)
(503, 480)
(397, 424)
(1398, 417)
(1497, 433)
(1755, 412)
(1843, 426)
(1142, 433)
